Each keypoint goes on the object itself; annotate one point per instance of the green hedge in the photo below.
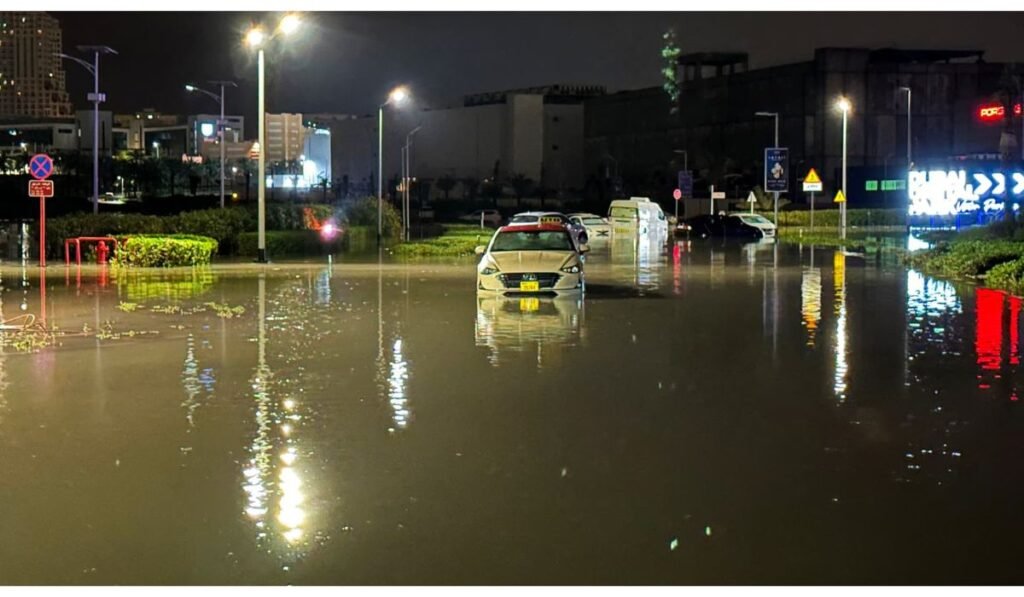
(830, 217)
(290, 242)
(1007, 276)
(174, 250)
(966, 258)
(223, 225)
(364, 213)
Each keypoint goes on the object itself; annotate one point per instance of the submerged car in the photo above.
(488, 217)
(735, 225)
(597, 227)
(578, 230)
(531, 258)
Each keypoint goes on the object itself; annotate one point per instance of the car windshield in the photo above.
(623, 212)
(532, 240)
(593, 221)
(524, 219)
(754, 219)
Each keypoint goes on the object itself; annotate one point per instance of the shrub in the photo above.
(289, 242)
(830, 217)
(1008, 275)
(967, 258)
(364, 213)
(223, 225)
(164, 250)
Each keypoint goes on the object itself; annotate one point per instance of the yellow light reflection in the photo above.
(810, 304)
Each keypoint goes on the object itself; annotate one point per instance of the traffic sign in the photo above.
(40, 188)
(840, 197)
(812, 182)
(686, 184)
(718, 194)
(751, 198)
(677, 194)
(40, 166)
(776, 169)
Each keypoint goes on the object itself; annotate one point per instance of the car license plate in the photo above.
(527, 305)
(529, 286)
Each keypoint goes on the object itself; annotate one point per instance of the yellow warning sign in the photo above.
(840, 197)
(812, 177)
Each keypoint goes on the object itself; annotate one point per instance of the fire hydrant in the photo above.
(102, 252)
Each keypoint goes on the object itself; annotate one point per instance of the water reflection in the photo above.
(839, 308)
(996, 340)
(931, 307)
(509, 324)
(194, 381)
(810, 302)
(643, 255)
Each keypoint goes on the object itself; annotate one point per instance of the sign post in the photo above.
(841, 200)
(677, 195)
(40, 166)
(751, 199)
(776, 174)
(812, 184)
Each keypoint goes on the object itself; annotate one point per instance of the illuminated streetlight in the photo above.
(844, 106)
(397, 95)
(256, 38)
(221, 125)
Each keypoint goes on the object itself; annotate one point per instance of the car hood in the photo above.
(530, 261)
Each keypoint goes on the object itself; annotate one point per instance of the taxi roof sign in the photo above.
(840, 197)
(812, 176)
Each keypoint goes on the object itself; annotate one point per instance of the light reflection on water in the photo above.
(839, 308)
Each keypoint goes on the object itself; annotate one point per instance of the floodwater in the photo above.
(723, 414)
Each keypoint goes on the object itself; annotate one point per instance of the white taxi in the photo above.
(531, 259)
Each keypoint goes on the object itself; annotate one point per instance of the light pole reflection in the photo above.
(839, 306)
(810, 305)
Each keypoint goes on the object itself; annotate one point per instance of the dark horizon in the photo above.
(346, 62)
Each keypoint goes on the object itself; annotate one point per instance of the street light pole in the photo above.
(96, 98)
(844, 106)
(397, 95)
(909, 136)
(261, 188)
(408, 179)
(221, 126)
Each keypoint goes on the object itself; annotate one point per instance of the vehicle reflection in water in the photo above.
(643, 255)
(518, 324)
(839, 308)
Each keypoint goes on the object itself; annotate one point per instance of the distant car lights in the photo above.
(954, 192)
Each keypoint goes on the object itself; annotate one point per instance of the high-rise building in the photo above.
(31, 74)
(285, 137)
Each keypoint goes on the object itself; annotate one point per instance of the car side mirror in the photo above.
(479, 250)
(584, 248)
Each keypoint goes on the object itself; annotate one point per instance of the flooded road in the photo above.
(728, 415)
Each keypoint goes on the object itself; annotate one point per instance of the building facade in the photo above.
(635, 139)
(285, 135)
(31, 73)
(534, 132)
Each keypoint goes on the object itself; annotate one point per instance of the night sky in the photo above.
(346, 62)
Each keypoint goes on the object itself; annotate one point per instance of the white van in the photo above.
(637, 216)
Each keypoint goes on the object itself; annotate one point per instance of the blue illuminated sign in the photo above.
(953, 192)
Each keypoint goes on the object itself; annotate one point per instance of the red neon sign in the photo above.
(993, 112)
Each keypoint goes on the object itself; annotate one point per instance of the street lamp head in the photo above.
(255, 37)
(766, 113)
(398, 94)
(190, 87)
(843, 104)
(290, 23)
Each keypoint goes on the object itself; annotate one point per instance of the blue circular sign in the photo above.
(40, 166)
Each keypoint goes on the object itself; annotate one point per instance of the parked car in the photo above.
(491, 217)
(531, 258)
(597, 227)
(734, 225)
(578, 231)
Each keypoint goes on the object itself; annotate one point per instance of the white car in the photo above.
(597, 227)
(531, 259)
(491, 217)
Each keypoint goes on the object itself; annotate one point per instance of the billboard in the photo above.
(952, 192)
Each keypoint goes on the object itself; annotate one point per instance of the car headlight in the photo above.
(571, 269)
(490, 269)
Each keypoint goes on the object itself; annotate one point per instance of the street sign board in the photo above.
(751, 198)
(812, 182)
(718, 195)
(40, 188)
(840, 197)
(776, 169)
(686, 184)
(40, 166)
(677, 194)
